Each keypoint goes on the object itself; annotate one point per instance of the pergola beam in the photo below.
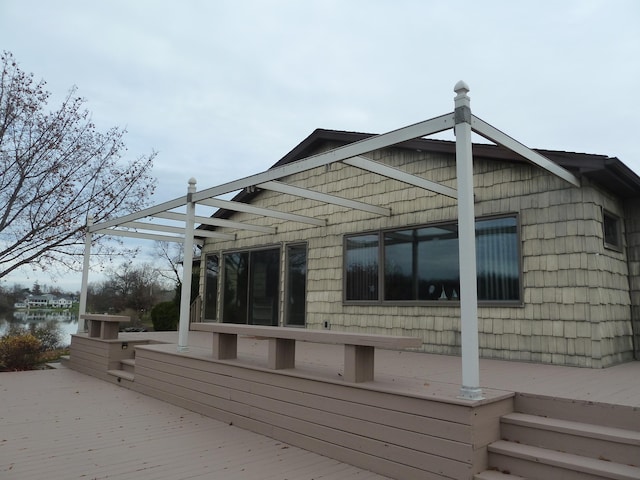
(217, 222)
(145, 236)
(153, 227)
(491, 133)
(397, 174)
(323, 197)
(265, 212)
(147, 212)
(421, 129)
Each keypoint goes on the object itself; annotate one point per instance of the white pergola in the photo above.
(150, 223)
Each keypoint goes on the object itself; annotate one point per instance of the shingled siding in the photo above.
(576, 302)
(632, 225)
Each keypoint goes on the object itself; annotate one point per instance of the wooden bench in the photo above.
(104, 326)
(359, 348)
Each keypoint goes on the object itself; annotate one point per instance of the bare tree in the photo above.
(172, 253)
(129, 286)
(55, 170)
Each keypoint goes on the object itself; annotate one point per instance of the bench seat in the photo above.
(359, 348)
(104, 326)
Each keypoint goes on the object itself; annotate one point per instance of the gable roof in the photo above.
(609, 172)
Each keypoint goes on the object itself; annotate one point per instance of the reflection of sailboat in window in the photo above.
(443, 295)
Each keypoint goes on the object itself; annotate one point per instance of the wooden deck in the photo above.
(62, 425)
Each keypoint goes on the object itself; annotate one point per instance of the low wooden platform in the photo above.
(406, 423)
(62, 424)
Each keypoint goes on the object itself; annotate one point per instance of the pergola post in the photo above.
(470, 388)
(85, 274)
(187, 268)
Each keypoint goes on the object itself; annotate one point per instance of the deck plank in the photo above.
(64, 424)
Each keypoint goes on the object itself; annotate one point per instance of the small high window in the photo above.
(612, 230)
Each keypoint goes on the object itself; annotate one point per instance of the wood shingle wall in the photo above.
(576, 298)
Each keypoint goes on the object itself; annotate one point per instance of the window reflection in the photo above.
(423, 263)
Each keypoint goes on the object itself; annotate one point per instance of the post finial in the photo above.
(461, 88)
(192, 185)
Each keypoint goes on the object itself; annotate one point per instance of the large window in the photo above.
(251, 286)
(421, 264)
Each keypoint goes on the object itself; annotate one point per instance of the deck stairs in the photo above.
(126, 371)
(550, 438)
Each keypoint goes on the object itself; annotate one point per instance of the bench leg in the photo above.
(282, 353)
(94, 328)
(358, 363)
(225, 346)
(109, 330)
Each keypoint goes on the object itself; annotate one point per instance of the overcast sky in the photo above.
(224, 89)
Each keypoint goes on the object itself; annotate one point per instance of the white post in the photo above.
(187, 267)
(467, 247)
(85, 275)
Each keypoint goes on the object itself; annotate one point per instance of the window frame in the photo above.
(381, 267)
(286, 309)
(206, 287)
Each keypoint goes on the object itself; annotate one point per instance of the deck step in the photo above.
(55, 365)
(128, 365)
(541, 464)
(496, 475)
(605, 414)
(122, 375)
(595, 441)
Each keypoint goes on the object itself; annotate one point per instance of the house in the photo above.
(39, 301)
(453, 248)
(61, 302)
(558, 265)
(497, 251)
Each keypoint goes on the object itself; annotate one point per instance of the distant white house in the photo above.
(61, 303)
(46, 300)
(38, 300)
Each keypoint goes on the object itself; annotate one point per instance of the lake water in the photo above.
(66, 321)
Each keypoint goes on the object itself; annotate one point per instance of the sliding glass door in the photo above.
(251, 285)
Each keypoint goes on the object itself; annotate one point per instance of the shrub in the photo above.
(165, 316)
(49, 335)
(19, 352)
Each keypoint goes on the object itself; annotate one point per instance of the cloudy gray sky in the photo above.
(223, 89)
